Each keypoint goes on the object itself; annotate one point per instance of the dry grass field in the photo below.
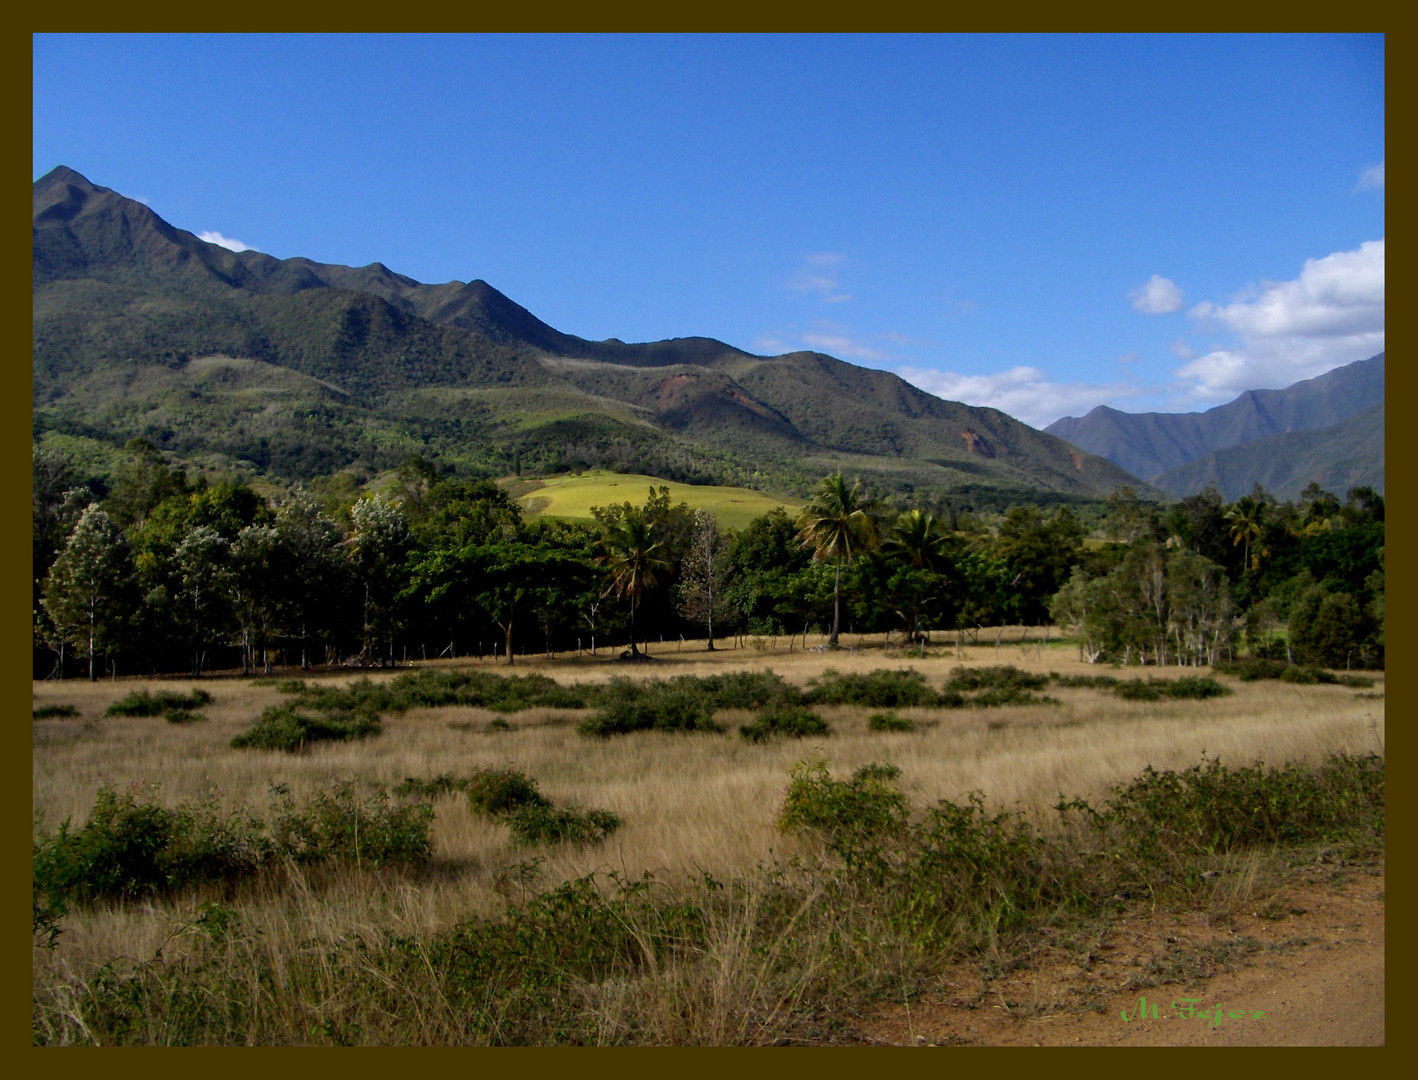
(690, 803)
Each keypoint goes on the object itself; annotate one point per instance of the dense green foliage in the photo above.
(160, 574)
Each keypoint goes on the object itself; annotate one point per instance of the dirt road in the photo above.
(1306, 968)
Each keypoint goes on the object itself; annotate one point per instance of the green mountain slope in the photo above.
(1147, 444)
(299, 368)
(1345, 455)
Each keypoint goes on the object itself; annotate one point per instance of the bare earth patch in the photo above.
(1310, 958)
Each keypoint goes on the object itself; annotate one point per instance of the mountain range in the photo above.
(1328, 430)
(298, 369)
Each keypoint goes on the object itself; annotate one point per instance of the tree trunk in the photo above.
(836, 604)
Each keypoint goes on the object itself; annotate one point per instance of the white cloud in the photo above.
(841, 345)
(224, 241)
(1025, 393)
(817, 276)
(1332, 314)
(1181, 350)
(1373, 177)
(1158, 297)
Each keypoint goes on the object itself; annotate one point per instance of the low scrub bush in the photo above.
(854, 817)
(882, 688)
(739, 689)
(1091, 681)
(542, 823)
(293, 726)
(1005, 677)
(503, 791)
(1212, 808)
(1252, 668)
(431, 688)
(627, 705)
(338, 825)
(130, 848)
(1188, 687)
(779, 721)
(162, 703)
(889, 721)
(45, 712)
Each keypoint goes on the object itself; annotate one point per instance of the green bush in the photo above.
(739, 689)
(1252, 669)
(293, 727)
(338, 825)
(882, 688)
(1005, 677)
(1196, 687)
(1212, 808)
(889, 721)
(44, 712)
(628, 706)
(1137, 690)
(542, 823)
(503, 791)
(130, 848)
(144, 703)
(790, 721)
(853, 816)
(1187, 687)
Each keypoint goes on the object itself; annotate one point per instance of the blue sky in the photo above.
(1039, 224)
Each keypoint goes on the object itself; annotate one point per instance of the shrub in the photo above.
(143, 703)
(1196, 687)
(1252, 669)
(542, 823)
(1006, 677)
(889, 721)
(338, 825)
(1137, 690)
(1192, 687)
(739, 689)
(882, 688)
(502, 791)
(44, 712)
(793, 721)
(293, 727)
(1212, 808)
(640, 706)
(852, 815)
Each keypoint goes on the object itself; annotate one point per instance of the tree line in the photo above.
(147, 572)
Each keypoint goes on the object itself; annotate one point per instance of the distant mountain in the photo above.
(298, 368)
(1345, 455)
(1153, 445)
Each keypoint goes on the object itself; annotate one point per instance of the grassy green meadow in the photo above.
(573, 495)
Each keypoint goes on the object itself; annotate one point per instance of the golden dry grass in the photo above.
(690, 803)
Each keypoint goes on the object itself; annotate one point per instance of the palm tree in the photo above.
(635, 561)
(1246, 515)
(918, 539)
(836, 526)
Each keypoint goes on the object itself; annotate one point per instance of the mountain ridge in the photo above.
(1149, 444)
(467, 373)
